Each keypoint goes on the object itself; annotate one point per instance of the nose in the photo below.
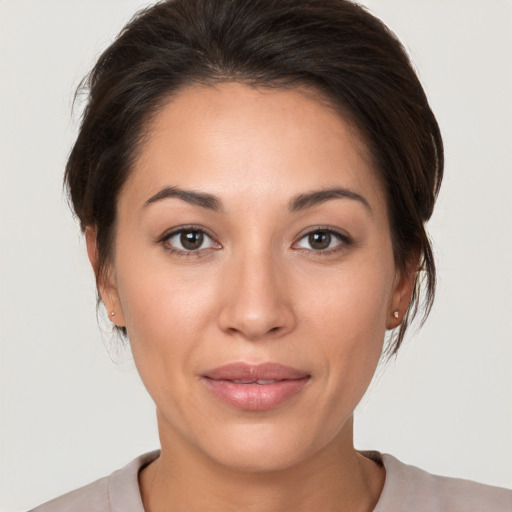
(255, 301)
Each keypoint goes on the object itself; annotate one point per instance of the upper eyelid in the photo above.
(344, 241)
(336, 231)
(190, 227)
(164, 241)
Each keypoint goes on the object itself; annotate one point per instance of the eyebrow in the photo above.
(207, 201)
(304, 201)
(298, 203)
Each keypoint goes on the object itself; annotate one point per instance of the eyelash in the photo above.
(183, 253)
(344, 241)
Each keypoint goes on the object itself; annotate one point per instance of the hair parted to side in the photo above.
(333, 46)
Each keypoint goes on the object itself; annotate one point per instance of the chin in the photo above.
(262, 447)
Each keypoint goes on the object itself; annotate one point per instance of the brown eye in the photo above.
(188, 240)
(323, 240)
(320, 240)
(191, 240)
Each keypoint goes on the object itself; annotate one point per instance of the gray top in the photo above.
(406, 489)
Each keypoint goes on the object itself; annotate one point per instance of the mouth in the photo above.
(255, 387)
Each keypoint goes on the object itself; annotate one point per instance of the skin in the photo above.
(255, 291)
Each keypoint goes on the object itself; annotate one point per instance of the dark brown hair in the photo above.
(334, 46)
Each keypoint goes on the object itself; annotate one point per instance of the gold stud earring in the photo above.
(395, 314)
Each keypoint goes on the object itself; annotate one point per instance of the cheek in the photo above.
(166, 310)
(347, 318)
(352, 301)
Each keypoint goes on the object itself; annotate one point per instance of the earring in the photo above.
(395, 314)
(112, 314)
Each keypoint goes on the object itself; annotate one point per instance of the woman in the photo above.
(253, 179)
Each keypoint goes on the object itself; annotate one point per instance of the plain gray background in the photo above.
(69, 415)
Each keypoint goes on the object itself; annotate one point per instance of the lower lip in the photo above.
(256, 397)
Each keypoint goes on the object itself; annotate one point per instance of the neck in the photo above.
(337, 479)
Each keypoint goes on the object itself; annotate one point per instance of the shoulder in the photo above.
(90, 497)
(408, 488)
(115, 493)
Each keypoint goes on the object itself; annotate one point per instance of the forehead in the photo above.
(238, 141)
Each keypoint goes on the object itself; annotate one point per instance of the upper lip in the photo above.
(262, 371)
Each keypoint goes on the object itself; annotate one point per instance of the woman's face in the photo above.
(254, 272)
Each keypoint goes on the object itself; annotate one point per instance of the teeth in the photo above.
(252, 381)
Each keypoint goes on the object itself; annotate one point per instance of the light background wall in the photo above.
(69, 415)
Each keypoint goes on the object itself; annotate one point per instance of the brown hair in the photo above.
(335, 46)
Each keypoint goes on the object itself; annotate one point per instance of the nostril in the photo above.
(253, 332)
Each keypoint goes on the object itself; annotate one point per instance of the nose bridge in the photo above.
(255, 303)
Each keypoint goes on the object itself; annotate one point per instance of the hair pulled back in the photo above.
(334, 46)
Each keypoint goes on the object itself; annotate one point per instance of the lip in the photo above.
(237, 384)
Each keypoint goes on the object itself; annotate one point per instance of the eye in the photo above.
(189, 240)
(322, 240)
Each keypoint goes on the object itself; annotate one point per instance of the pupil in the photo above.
(320, 240)
(191, 240)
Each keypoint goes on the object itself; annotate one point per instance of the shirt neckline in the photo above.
(124, 491)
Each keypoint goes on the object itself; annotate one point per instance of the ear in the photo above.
(403, 288)
(105, 281)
